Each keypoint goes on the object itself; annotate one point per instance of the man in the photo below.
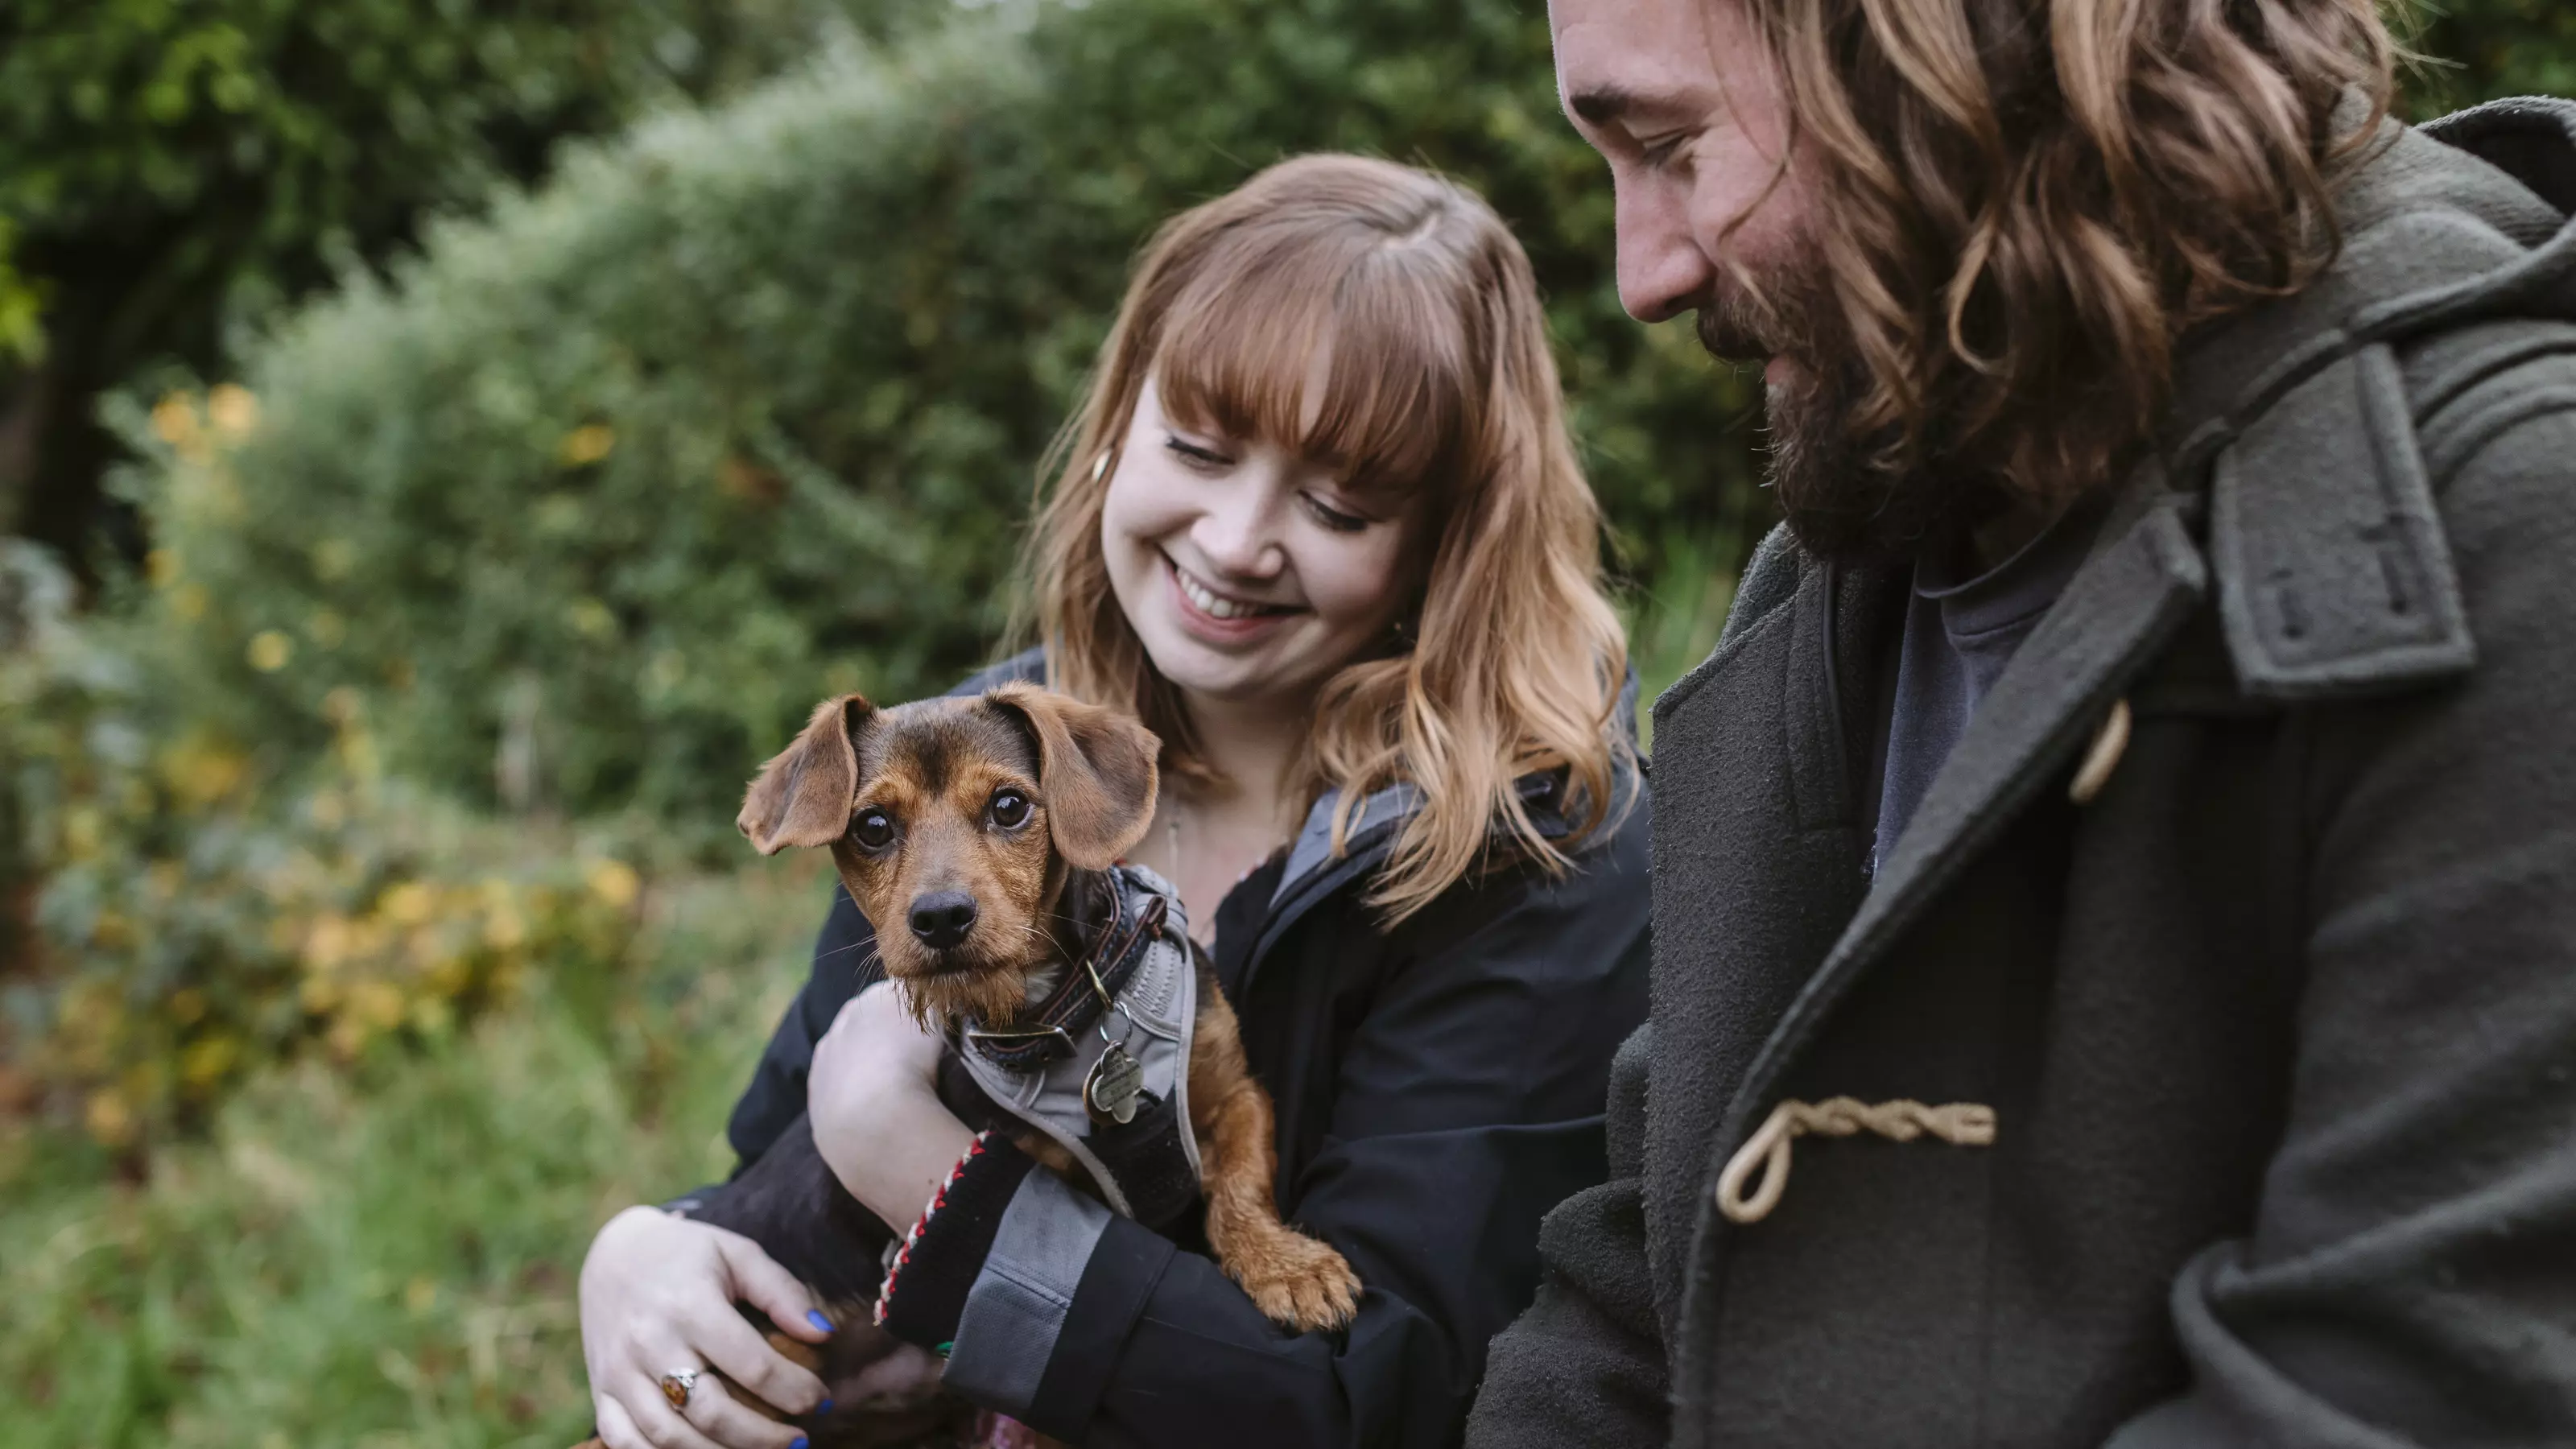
(2115, 896)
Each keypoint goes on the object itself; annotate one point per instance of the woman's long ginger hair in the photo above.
(1438, 392)
(2022, 206)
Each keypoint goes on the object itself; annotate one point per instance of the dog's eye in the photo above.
(872, 829)
(1010, 809)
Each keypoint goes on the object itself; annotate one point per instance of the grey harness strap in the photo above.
(1155, 1017)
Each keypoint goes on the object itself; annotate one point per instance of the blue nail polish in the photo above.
(799, 1444)
(824, 1407)
(815, 1317)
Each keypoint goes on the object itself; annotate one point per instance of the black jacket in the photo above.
(2278, 1028)
(1438, 1089)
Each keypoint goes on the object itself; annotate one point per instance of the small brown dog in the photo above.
(981, 835)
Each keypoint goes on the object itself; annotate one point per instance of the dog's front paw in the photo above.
(1297, 1281)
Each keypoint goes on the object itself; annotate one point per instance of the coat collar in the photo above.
(2130, 598)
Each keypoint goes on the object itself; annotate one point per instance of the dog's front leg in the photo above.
(1292, 1278)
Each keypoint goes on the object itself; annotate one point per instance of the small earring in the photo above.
(1100, 466)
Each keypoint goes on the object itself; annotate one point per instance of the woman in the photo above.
(1320, 525)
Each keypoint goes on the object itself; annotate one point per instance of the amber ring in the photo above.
(676, 1386)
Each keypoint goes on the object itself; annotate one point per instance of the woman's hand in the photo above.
(657, 1296)
(872, 1097)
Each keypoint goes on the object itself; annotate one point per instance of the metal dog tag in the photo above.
(1109, 1093)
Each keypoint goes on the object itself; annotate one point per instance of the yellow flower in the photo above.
(161, 565)
(333, 558)
(409, 903)
(187, 1005)
(188, 601)
(83, 830)
(174, 420)
(110, 1119)
(615, 882)
(232, 409)
(200, 771)
(112, 932)
(327, 944)
(269, 650)
(591, 619)
(204, 1062)
(377, 1003)
(504, 929)
(586, 444)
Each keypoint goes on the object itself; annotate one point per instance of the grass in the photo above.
(387, 1258)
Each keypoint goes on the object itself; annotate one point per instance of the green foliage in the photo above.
(171, 167)
(745, 409)
(386, 1257)
(2478, 50)
(198, 921)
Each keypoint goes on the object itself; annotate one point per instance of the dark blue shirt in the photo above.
(1961, 628)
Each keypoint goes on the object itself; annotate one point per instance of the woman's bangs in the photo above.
(1236, 359)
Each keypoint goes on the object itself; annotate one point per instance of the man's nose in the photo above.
(1662, 271)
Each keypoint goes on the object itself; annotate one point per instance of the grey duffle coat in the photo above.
(2278, 1031)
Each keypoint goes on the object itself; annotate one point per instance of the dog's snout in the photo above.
(941, 919)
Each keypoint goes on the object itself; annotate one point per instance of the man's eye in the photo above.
(874, 829)
(1010, 809)
(1656, 153)
(1333, 518)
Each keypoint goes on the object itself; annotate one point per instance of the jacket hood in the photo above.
(2460, 220)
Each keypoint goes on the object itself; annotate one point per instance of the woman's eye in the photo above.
(1010, 809)
(873, 829)
(1196, 456)
(1333, 518)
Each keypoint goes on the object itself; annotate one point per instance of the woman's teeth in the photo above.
(1215, 605)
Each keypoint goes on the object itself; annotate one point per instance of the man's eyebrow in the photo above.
(1601, 105)
(1608, 104)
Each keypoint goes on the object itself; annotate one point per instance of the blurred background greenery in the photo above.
(444, 446)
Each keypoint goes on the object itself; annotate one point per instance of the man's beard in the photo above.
(1846, 493)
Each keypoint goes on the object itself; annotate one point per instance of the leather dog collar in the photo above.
(1047, 1033)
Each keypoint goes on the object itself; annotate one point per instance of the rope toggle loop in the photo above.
(2110, 741)
(1961, 1124)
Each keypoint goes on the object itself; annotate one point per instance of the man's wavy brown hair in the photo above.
(2021, 206)
(1440, 391)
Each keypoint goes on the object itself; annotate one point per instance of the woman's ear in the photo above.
(1096, 769)
(803, 795)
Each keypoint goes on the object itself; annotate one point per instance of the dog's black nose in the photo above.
(941, 919)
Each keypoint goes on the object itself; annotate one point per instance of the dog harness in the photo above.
(1147, 1168)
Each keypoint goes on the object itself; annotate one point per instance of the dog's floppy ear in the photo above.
(1096, 769)
(803, 794)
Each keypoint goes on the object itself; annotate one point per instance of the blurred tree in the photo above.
(2476, 50)
(170, 167)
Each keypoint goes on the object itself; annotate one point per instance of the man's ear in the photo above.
(1096, 769)
(803, 795)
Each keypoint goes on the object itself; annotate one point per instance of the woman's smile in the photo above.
(1217, 617)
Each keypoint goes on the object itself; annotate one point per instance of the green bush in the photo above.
(2476, 50)
(167, 169)
(385, 1256)
(197, 921)
(593, 502)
